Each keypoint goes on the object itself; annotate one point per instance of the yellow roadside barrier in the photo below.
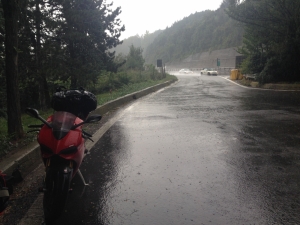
(236, 74)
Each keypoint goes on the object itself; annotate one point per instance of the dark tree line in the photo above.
(47, 42)
(272, 37)
(10, 15)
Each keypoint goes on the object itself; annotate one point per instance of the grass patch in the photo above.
(128, 89)
(6, 143)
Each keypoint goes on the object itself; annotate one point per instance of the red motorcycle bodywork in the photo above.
(55, 147)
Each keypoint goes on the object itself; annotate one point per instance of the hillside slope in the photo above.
(200, 32)
(138, 41)
(188, 38)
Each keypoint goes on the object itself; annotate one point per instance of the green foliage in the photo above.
(2, 75)
(65, 41)
(135, 60)
(6, 141)
(143, 83)
(88, 30)
(5, 144)
(124, 78)
(151, 72)
(272, 38)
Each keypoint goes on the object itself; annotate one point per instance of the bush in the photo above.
(124, 78)
(269, 72)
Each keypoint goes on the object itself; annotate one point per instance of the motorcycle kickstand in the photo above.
(82, 178)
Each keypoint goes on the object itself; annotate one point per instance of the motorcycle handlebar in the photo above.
(86, 134)
(33, 130)
(36, 126)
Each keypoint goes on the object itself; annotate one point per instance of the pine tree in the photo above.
(88, 29)
(11, 16)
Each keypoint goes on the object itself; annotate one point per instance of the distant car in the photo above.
(185, 71)
(209, 71)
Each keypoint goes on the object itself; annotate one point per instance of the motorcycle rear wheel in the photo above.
(57, 184)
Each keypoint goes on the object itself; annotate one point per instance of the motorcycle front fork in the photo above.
(43, 189)
(82, 178)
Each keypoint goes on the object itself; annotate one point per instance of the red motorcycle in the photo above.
(61, 141)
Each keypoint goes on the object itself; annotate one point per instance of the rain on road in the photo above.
(202, 151)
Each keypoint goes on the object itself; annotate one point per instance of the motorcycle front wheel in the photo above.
(57, 185)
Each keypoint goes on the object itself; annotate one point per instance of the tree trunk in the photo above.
(46, 92)
(73, 81)
(14, 123)
(42, 100)
(73, 74)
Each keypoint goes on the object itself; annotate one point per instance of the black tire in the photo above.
(57, 184)
(208, 74)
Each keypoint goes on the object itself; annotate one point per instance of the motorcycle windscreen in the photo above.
(61, 124)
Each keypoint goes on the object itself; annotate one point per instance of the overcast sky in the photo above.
(138, 16)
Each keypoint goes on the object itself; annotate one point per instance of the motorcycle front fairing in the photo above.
(60, 140)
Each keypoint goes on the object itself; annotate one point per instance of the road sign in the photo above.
(159, 63)
(218, 62)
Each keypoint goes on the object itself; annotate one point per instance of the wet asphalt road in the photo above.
(202, 151)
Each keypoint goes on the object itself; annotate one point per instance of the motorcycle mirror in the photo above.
(32, 112)
(90, 119)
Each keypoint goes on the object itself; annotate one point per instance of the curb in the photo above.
(259, 88)
(26, 159)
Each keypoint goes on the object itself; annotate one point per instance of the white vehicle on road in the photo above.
(209, 71)
(185, 71)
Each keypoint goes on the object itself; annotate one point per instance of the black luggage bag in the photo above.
(78, 102)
